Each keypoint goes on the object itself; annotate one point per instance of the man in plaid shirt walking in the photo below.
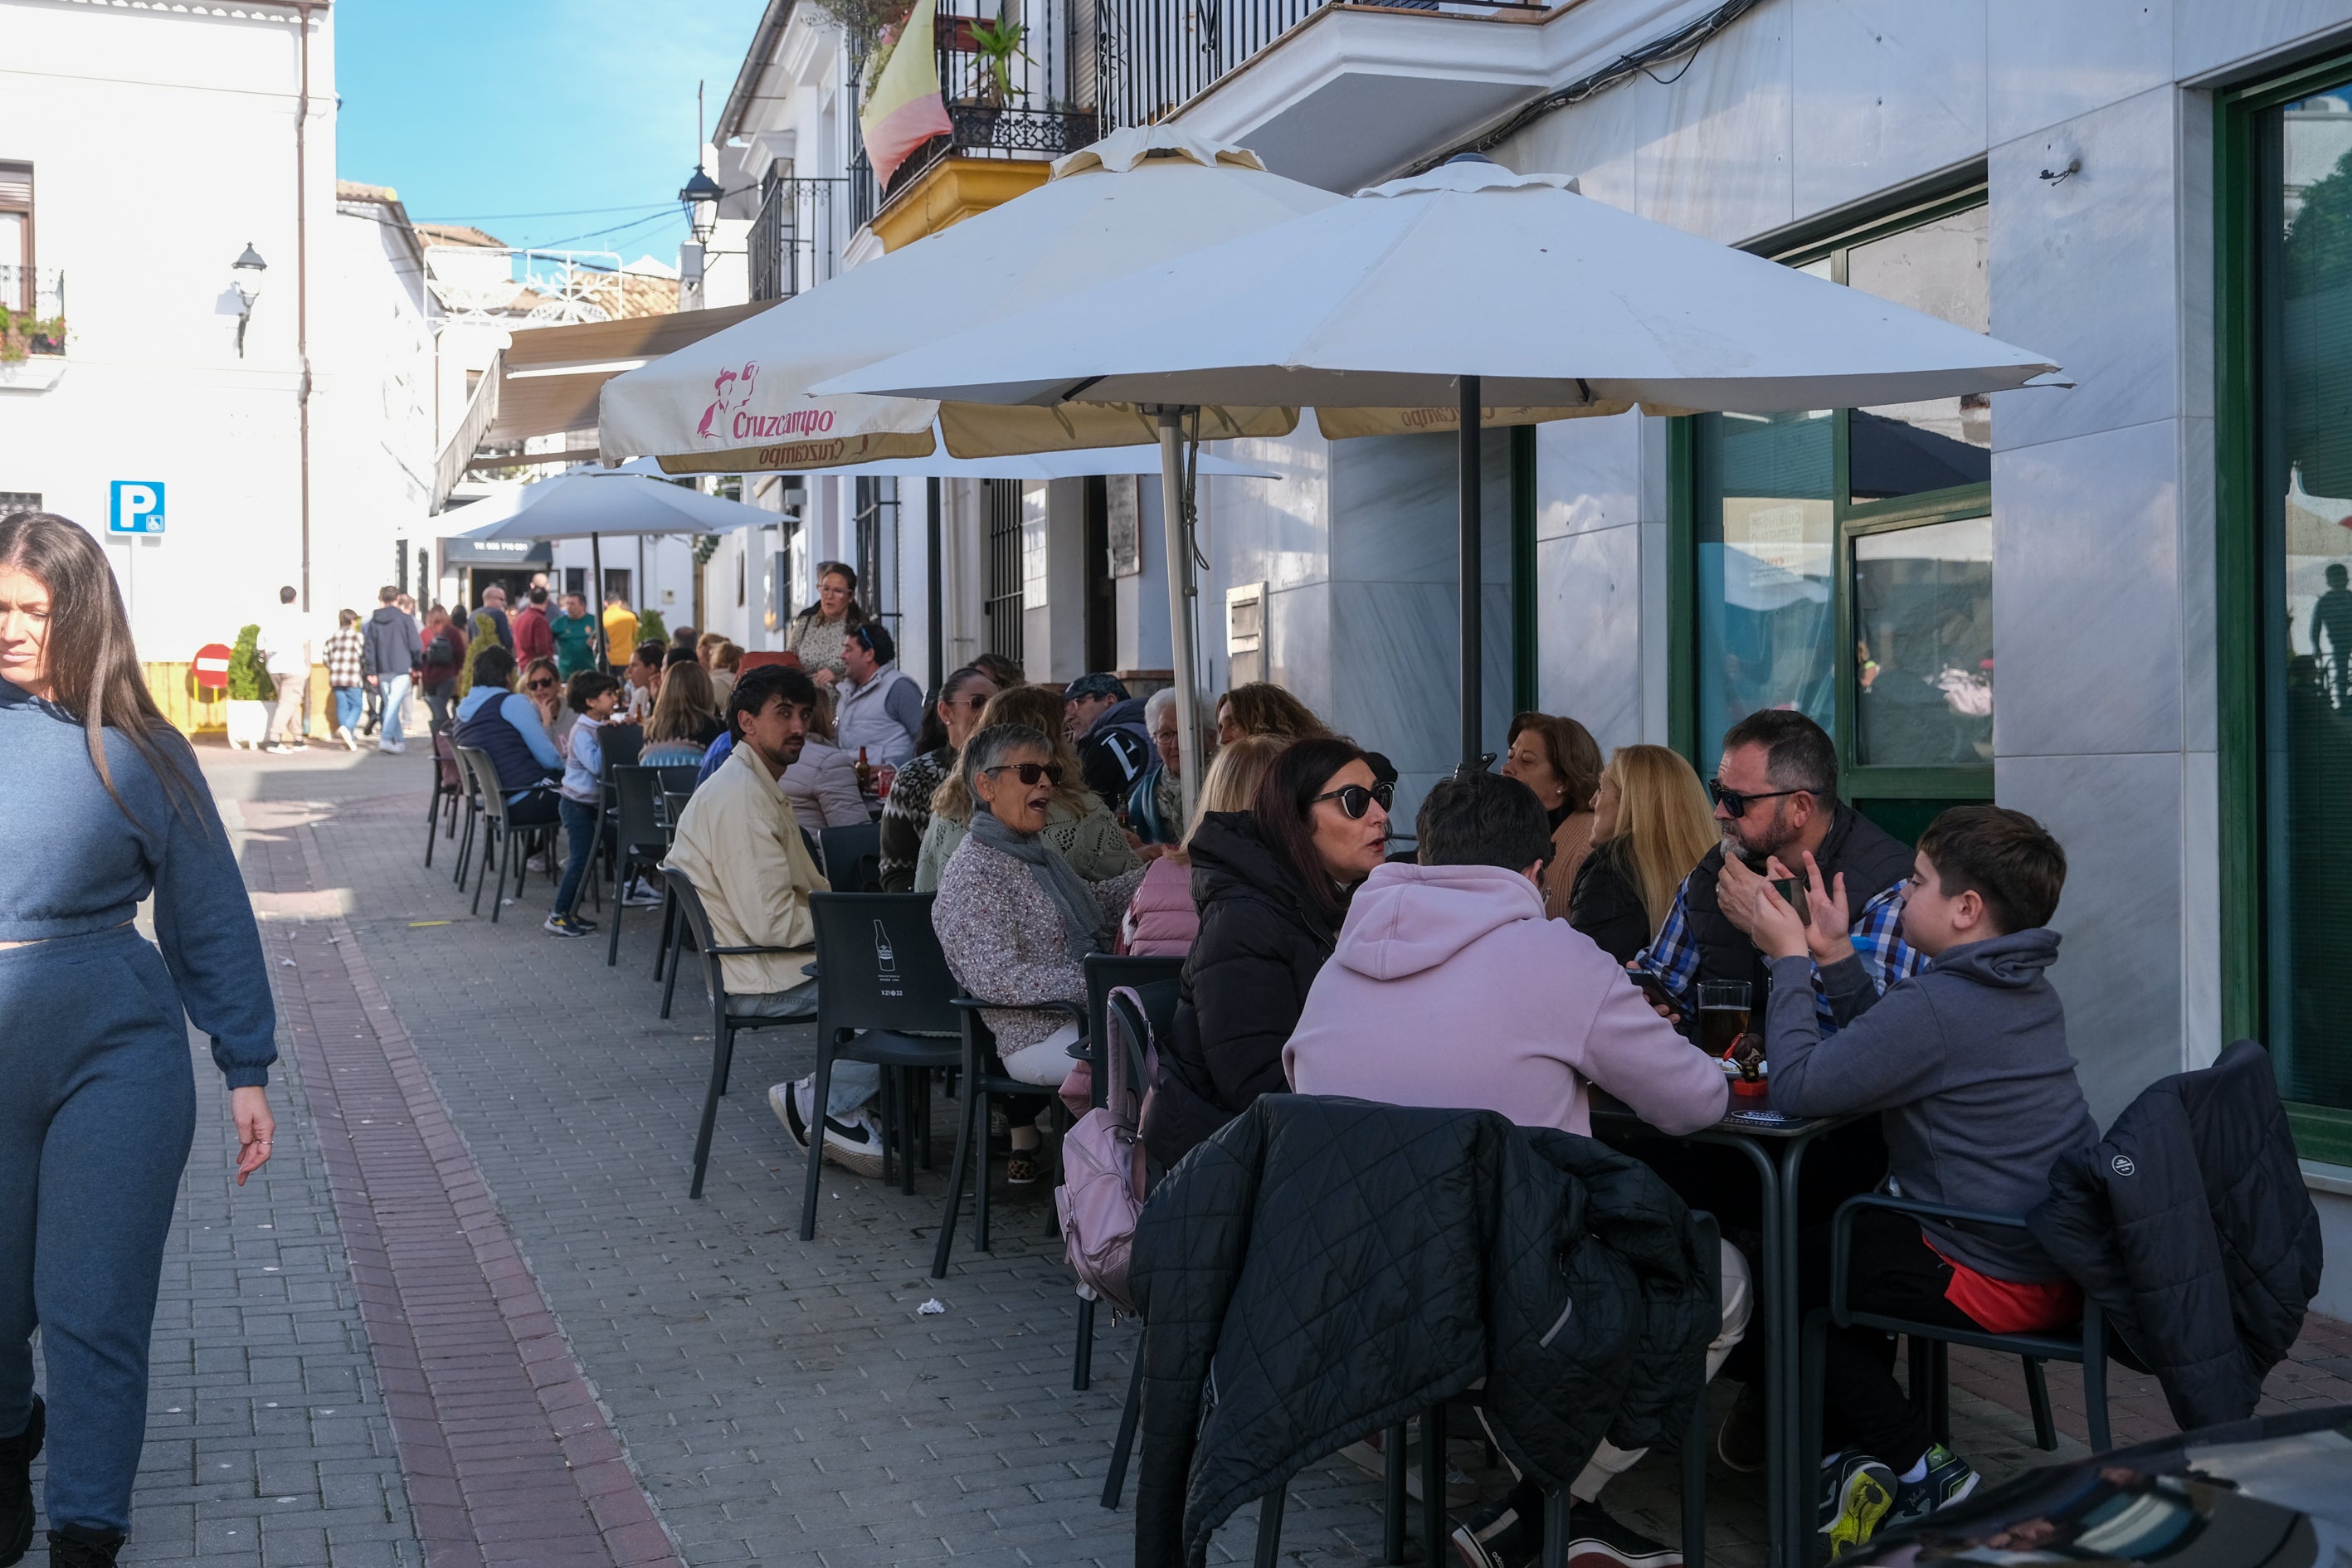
(343, 674)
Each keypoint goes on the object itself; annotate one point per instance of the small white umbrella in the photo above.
(1463, 297)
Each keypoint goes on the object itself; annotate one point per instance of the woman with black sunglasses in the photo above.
(1273, 885)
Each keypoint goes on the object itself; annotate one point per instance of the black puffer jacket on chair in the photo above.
(1324, 1267)
(2191, 1227)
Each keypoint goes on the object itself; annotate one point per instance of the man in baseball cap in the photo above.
(1107, 725)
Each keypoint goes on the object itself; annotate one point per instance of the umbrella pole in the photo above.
(1179, 540)
(596, 600)
(935, 592)
(1473, 574)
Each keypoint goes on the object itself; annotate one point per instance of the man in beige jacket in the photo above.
(740, 846)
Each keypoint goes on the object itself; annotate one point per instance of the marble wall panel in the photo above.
(1271, 530)
(1297, 644)
(2214, 34)
(2086, 594)
(2120, 819)
(1587, 474)
(1589, 631)
(1599, 141)
(1395, 505)
(1885, 91)
(2087, 269)
(2050, 63)
(1395, 675)
(1716, 156)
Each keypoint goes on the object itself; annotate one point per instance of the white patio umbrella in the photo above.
(1466, 296)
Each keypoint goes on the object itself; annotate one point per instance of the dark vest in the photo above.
(490, 731)
(1871, 858)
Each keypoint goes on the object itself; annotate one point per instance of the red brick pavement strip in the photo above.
(507, 1457)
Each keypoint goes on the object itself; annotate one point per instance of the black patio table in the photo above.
(1775, 1144)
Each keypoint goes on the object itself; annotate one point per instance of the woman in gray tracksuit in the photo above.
(100, 1109)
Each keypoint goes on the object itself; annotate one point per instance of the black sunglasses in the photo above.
(541, 684)
(1029, 773)
(1355, 800)
(1737, 802)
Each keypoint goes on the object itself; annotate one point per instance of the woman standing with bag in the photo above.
(100, 1111)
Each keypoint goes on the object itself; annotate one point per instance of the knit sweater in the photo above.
(906, 815)
(1093, 844)
(1005, 939)
(77, 864)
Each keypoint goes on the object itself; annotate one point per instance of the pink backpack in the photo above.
(1102, 1189)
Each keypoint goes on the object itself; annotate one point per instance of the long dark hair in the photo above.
(93, 666)
(1286, 817)
(854, 615)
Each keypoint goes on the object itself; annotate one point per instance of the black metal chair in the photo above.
(1129, 1024)
(473, 804)
(448, 790)
(505, 843)
(1929, 1343)
(725, 1025)
(982, 1077)
(852, 858)
(886, 996)
(1106, 973)
(669, 805)
(641, 842)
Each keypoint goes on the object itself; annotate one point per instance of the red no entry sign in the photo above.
(212, 666)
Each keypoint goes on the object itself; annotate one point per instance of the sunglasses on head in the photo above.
(974, 702)
(1737, 802)
(1029, 773)
(1355, 800)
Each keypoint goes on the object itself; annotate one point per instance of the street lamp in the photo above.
(700, 193)
(245, 280)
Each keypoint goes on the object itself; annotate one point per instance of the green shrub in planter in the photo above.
(248, 681)
(651, 629)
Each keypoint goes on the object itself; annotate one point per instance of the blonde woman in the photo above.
(1651, 824)
(1079, 825)
(1162, 920)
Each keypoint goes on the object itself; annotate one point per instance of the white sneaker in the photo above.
(394, 747)
(641, 894)
(854, 1144)
(279, 748)
(350, 740)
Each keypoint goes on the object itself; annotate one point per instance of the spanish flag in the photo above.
(906, 108)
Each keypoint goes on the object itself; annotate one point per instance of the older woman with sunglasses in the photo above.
(1272, 884)
(1015, 921)
(1078, 826)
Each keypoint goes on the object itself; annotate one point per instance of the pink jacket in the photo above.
(1450, 988)
(1161, 921)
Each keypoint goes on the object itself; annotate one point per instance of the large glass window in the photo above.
(1841, 560)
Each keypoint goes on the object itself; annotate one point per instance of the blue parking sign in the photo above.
(138, 507)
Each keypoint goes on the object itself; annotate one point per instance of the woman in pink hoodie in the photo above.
(1163, 919)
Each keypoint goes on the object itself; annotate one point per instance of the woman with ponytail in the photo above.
(100, 1108)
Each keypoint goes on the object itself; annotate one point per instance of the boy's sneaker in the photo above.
(1950, 1478)
(1739, 1443)
(1597, 1540)
(784, 1100)
(564, 925)
(1506, 1533)
(642, 894)
(1857, 1494)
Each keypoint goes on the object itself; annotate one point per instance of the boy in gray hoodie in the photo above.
(1966, 1064)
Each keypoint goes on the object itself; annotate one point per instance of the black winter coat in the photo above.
(2191, 1227)
(1604, 904)
(1324, 1267)
(1260, 946)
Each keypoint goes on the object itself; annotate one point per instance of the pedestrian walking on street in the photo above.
(392, 649)
(620, 630)
(493, 604)
(100, 1111)
(345, 654)
(445, 655)
(574, 634)
(534, 638)
(285, 653)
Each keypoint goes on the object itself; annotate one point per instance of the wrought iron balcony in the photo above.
(794, 241)
(32, 311)
(1022, 104)
(1153, 57)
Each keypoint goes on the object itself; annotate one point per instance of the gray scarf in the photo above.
(1082, 919)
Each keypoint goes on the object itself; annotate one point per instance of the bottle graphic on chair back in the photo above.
(885, 961)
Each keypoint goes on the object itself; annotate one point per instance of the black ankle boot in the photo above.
(77, 1547)
(17, 1486)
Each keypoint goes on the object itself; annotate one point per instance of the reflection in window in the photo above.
(1910, 448)
(1923, 621)
(1767, 626)
(2306, 317)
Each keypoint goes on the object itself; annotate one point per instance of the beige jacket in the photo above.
(741, 847)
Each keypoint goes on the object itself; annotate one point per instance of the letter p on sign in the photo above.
(138, 507)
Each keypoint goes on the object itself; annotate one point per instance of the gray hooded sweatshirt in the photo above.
(1967, 1063)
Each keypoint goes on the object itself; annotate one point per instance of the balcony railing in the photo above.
(794, 242)
(1153, 57)
(32, 311)
(1025, 105)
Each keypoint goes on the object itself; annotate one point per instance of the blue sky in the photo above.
(480, 111)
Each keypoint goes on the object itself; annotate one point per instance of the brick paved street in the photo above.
(468, 1315)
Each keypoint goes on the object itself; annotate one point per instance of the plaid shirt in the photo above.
(1878, 942)
(342, 658)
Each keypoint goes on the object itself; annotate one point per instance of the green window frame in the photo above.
(2322, 1134)
(1902, 799)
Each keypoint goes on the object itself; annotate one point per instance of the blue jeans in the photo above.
(581, 821)
(395, 698)
(94, 1130)
(347, 707)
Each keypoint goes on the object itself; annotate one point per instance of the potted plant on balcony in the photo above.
(997, 44)
(250, 692)
(23, 333)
